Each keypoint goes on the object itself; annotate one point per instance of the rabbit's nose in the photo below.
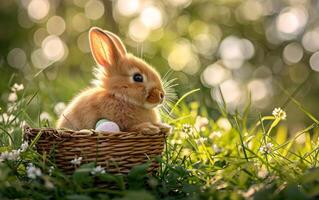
(161, 97)
(155, 96)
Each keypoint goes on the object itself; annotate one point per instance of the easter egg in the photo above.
(105, 125)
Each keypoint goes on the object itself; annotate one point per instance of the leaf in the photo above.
(137, 175)
(82, 176)
(78, 197)
(141, 195)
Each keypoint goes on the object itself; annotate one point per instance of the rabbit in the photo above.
(129, 92)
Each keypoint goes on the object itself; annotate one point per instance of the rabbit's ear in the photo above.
(106, 47)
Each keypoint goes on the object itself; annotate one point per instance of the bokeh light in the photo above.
(293, 53)
(38, 9)
(310, 40)
(314, 61)
(235, 51)
(128, 7)
(80, 22)
(94, 9)
(152, 17)
(215, 74)
(291, 20)
(17, 58)
(53, 48)
(138, 31)
(56, 25)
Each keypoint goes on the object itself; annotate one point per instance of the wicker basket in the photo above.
(116, 152)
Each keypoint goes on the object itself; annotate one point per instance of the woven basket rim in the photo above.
(68, 133)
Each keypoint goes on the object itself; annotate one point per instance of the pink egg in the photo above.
(108, 127)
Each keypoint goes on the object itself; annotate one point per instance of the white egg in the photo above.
(107, 126)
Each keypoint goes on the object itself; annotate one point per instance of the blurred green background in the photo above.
(245, 47)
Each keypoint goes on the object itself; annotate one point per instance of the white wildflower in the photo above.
(33, 172)
(12, 97)
(17, 87)
(12, 155)
(45, 116)
(267, 148)
(200, 140)
(173, 141)
(4, 156)
(215, 134)
(5, 118)
(59, 108)
(76, 161)
(24, 146)
(278, 113)
(23, 124)
(200, 123)
(51, 168)
(186, 128)
(98, 170)
(216, 148)
(11, 107)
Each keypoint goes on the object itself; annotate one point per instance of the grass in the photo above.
(227, 158)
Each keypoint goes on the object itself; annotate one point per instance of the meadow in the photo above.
(232, 157)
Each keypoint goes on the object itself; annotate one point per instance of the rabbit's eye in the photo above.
(138, 77)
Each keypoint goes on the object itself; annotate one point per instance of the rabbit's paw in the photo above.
(164, 127)
(146, 128)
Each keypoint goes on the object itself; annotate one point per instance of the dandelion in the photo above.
(98, 170)
(267, 148)
(59, 108)
(24, 146)
(200, 140)
(76, 161)
(201, 122)
(278, 113)
(17, 87)
(12, 97)
(33, 172)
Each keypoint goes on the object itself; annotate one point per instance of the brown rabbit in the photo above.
(129, 91)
